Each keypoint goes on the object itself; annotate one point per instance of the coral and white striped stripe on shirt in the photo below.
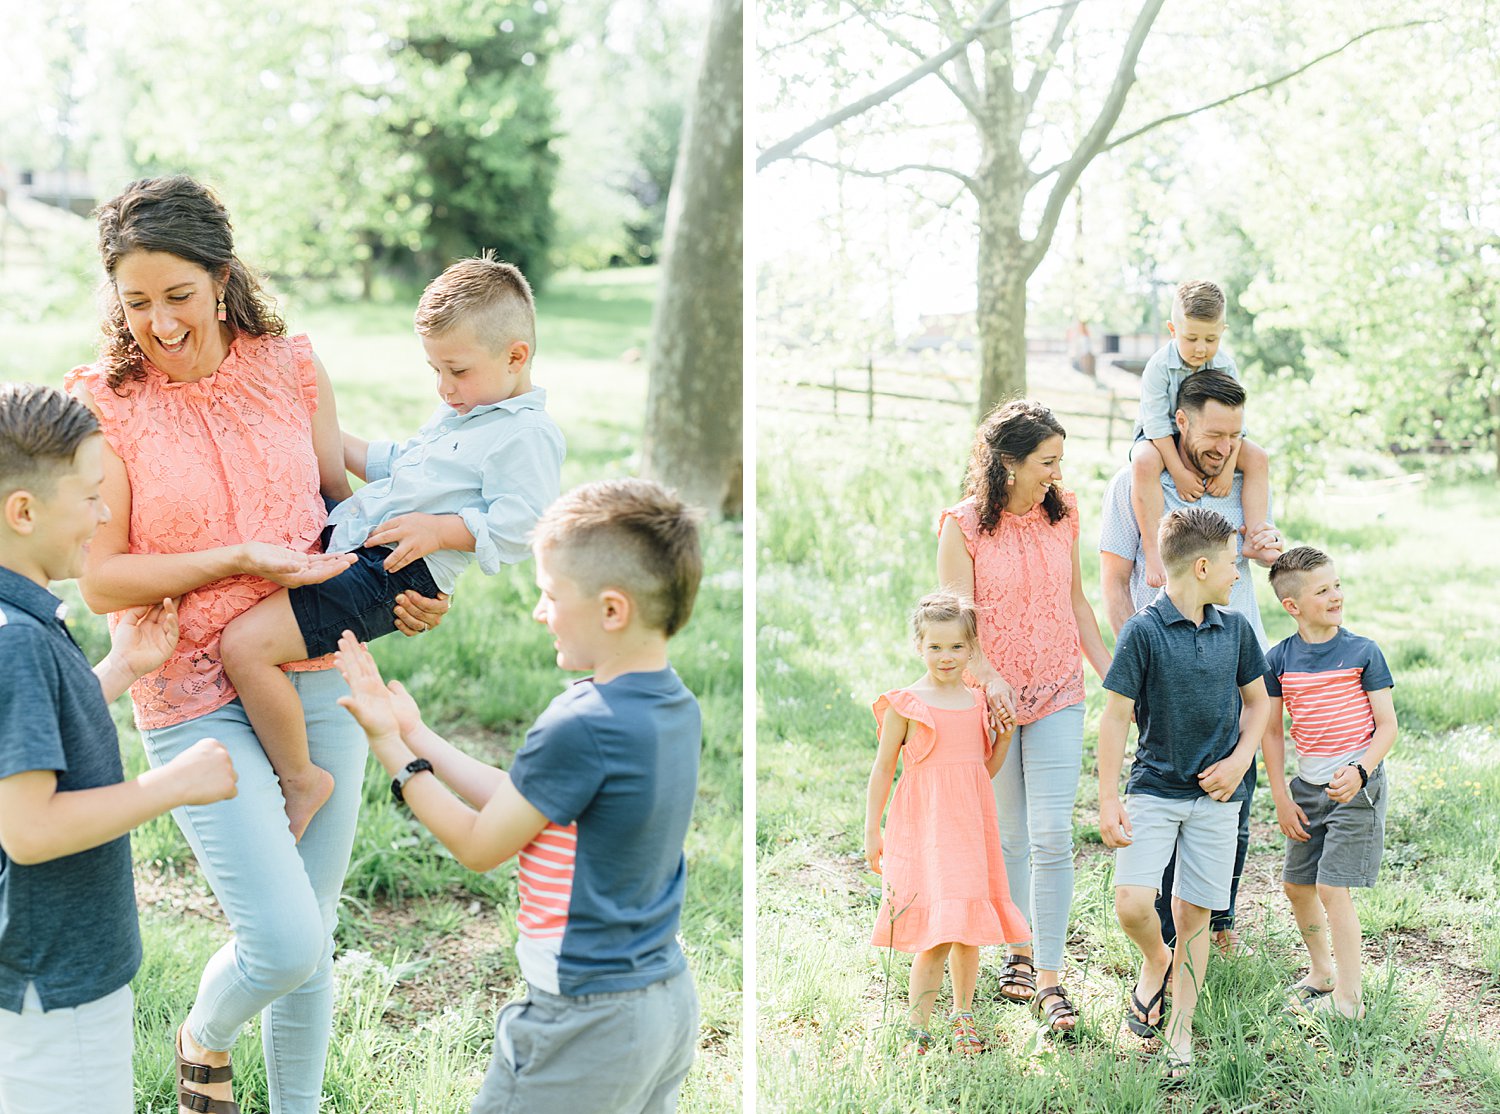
(546, 881)
(1330, 710)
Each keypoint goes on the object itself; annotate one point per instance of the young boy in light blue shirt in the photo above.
(469, 486)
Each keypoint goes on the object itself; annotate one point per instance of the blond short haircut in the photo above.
(945, 607)
(492, 297)
(40, 431)
(1290, 569)
(633, 535)
(1189, 534)
(1200, 300)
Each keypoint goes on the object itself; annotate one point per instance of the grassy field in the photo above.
(846, 546)
(425, 948)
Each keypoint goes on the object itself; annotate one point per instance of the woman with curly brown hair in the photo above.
(1012, 547)
(221, 443)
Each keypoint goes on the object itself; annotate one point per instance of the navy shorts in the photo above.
(362, 598)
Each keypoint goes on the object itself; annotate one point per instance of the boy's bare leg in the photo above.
(1135, 907)
(1189, 969)
(1312, 926)
(963, 965)
(1146, 500)
(1255, 494)
(926, 984)
(1344, 935)
(253, 646)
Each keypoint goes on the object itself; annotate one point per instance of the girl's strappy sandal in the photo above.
(966, 1040)
(189, 1072)
(1012, 975)
(1061, 1016)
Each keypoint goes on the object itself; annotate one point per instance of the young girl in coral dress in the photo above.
(945, 891)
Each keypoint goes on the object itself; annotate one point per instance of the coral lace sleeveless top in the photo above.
(1023, 591)
(224, 460)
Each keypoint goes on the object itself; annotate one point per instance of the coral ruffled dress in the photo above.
(944, 875)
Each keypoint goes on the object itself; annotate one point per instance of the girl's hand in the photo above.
(289, 568)
(145, 637)
(418, 614)
(1002, 700)
(874, 845)
(369, 701)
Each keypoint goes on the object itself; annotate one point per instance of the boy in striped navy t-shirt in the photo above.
(596, 807)
(1337, 690)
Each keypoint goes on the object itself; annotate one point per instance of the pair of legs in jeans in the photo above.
(280, 896)
(1034, 795)
(1220, 920)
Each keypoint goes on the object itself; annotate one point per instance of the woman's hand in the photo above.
(289, 568)
(416, 614)
(1002, 700)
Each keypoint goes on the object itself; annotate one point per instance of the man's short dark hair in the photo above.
(1209, 386)
(40, 431)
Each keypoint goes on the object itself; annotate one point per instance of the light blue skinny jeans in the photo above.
(281, 897)
(1034, 794)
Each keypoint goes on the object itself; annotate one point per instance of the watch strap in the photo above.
(398, 783)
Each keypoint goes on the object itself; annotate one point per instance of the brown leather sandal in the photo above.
(189, 1072)
(1061, 1017)
(1012, 975)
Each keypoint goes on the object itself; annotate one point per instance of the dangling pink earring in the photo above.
(223, 311)
(1010, 477)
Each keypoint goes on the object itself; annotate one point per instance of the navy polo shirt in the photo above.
(1185, 681)
(68, 925)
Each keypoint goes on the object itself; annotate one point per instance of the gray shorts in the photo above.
(1346, 839)
(1202, 830)
(618, 1053)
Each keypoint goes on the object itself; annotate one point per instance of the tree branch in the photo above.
(1044, 63)
(774, 47)
(971, 105)
(1261, 87)
(786, 146)
(968, 182)
(1093, 140)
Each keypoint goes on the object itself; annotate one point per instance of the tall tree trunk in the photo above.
(694, 411)
(1001, 312)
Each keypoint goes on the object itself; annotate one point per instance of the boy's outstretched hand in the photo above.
(369, 701)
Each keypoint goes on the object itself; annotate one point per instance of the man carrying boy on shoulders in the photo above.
(1181, 667)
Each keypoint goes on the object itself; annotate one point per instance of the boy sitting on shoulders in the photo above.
(596, 806)
(1336, 688)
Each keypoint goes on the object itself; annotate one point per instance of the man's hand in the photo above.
(1221, 779)
(418, 614)
(1344, 785)
(1114, 823)
(1291, 819)
(1263, 544)
(414, 536)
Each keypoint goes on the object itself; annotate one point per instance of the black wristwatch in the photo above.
(1364, 777)
(414, 767)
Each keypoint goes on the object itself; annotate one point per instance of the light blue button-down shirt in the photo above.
(1161, 379)
(498, 467)
(1121, 535)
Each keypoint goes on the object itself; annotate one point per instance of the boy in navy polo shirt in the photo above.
(1182, 666)
(69, 940)
(1337, 689)
(596, 806)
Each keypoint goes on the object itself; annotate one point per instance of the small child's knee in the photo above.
(1145, 459)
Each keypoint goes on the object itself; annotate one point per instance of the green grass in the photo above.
(424, 947)
(846, 545)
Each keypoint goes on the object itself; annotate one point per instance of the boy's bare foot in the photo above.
(195, 1054)
(1156, 572)
(305, 793)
